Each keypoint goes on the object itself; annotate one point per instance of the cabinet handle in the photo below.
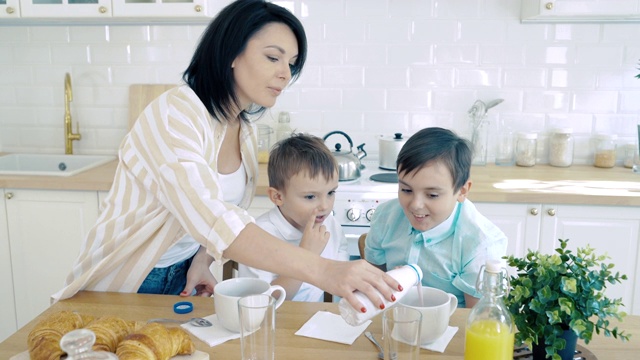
(551, 212)
(10, 10)
(534, 211)
(548, 5)
(198, 8)
(9, 195)
(102, 9)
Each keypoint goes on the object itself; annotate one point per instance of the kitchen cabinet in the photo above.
(9, 9)
(572, 11)
(112, 11)
(46, 229)
(613, 230)
(65, 8)
(7, 302)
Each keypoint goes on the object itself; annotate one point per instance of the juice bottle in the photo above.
(490, 332)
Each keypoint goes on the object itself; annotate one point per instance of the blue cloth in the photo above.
(450, 255)
(169, 280)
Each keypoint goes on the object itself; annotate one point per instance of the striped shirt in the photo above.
(166, 185)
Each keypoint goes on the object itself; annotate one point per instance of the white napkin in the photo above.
(212, 335)
(328, 326)
(441, 343)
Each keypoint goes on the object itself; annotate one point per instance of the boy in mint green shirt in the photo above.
(432, 223)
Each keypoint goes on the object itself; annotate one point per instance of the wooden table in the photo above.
(289, 318)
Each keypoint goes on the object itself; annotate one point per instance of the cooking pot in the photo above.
(349, 164)
(389, 147)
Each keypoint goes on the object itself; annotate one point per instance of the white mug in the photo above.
(436, 310)
(227, 293)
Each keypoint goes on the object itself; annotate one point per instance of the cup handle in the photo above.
(283, 294)
(453, 302)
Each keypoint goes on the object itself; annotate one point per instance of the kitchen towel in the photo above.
(441, 344)
(328, 326)
(212, 335)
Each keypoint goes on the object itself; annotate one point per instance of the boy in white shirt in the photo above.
(303, 178)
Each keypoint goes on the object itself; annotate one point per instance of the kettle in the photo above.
(349, 164)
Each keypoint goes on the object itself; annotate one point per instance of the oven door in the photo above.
(352, 233)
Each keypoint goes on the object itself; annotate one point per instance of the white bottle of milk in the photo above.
(408, 276)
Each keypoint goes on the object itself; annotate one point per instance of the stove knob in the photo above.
(369, 214)
(353, 214)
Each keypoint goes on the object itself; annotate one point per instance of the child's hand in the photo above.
(315, 236)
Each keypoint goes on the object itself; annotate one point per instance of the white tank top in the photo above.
(233, 187)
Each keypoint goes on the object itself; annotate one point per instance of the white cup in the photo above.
(227, 293)
(436, 310)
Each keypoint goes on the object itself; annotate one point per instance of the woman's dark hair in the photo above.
(436, 144)
(210, 74)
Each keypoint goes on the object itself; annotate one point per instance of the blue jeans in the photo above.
(166, 281)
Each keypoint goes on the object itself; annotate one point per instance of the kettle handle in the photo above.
(342, 133)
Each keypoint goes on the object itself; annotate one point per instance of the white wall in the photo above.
(375, 67)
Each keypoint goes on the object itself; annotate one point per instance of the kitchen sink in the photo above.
(50, 164)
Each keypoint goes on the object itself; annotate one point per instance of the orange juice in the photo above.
(488, 340)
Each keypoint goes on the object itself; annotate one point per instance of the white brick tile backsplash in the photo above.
(374, 66)
(49, 35)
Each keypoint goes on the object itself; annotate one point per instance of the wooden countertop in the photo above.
(289, 318)
(578, 184)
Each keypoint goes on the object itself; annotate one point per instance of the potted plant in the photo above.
(559, 294)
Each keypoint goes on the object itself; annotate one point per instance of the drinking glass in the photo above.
(401, 333)
(257, 327)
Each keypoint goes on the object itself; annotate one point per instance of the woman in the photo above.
(187, 172)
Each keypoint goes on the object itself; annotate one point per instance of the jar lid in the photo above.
(603, 136)
(563, 130)
(527, 135)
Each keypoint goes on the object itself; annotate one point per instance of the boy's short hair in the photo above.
(300, 152)
(436, 144)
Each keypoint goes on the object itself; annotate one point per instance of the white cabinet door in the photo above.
(569, 11)
(9, 9)
(46, 230)
(8, 323)
(611, 230)
(66, 8)
(162, 8)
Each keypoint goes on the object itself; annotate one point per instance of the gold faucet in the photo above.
(69, 136)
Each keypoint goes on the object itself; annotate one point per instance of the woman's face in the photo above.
(262, 70)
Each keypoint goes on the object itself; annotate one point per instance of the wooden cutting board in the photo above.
(140, 95)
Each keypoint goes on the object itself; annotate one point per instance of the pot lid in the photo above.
(395, 137)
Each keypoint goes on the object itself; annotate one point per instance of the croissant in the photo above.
(155, 342)
(44, 339)
(110, 330)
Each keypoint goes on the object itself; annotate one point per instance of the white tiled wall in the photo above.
(375, 67)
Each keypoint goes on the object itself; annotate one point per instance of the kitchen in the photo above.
(375, 67)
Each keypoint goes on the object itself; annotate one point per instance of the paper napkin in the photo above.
(212, 335)
(328, 326)
(441, 344)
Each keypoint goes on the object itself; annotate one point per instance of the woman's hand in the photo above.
(199, 276)
(342, 278)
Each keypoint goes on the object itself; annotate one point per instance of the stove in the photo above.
(357, 200)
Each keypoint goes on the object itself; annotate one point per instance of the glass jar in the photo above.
(526, 149)
(604, 150)
(283, 130)
(630, 152)
(264, 143)
(561, 147)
